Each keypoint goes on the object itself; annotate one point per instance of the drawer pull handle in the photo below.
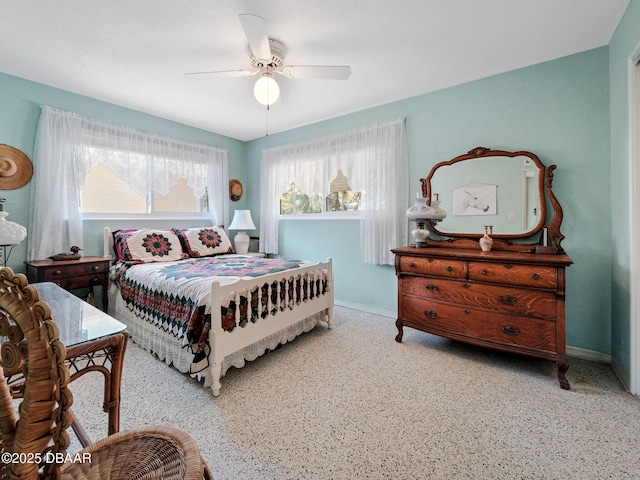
(410, 264)
(466, 312)
(508, 299)
(466, 285)
(449, 268)
(96, 268)
(535, 276)
(483, 272)
(433, 288)
(510, 330)
(95, 279)
(430, 314)
(57, 272)
(508, 266)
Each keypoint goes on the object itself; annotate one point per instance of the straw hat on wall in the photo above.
(15, 168)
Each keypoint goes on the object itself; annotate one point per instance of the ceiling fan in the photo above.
(267, 58)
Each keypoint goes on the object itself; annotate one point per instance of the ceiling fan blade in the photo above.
(255, 29)
(329, 72)
(220, 74)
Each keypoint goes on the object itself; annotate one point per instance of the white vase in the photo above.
(486, 242)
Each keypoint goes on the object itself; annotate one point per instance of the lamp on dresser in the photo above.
(242, 221)
(421, 212)
(11, 233)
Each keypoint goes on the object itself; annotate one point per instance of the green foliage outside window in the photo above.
(293, 201)
(340, 201)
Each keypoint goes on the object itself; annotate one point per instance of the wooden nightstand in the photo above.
(86, 272)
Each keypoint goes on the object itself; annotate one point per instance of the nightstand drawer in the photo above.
(54, 273)
(82, 281)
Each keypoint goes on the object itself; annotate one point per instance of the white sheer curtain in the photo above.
(62, 159)
(373, 158)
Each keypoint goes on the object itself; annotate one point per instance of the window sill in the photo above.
(143, 216)
(344, 215)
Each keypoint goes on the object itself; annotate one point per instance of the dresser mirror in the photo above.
(507, 190)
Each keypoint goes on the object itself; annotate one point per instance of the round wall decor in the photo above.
(15, 168)
(235, 190)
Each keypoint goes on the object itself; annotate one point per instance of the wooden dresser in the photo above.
(506, 300)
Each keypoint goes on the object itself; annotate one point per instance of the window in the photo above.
(106, 192)
(89, 168)
(364, 169)
(341, 198)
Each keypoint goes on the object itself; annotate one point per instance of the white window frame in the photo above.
(373, 158)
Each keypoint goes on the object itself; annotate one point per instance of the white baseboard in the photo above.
(575, 352)
(592, 355)
(621, 375)
(367, 308)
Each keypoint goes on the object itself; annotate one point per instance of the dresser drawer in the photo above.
(474, 324)
(432, 266)
(519, 301)
(54, 273)
(537, 276)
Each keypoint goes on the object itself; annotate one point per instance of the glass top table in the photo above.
(95, 342)
(78, 321)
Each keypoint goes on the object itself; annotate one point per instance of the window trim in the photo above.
(342, 215)
(148, 216)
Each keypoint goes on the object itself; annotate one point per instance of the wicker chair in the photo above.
(33, 440)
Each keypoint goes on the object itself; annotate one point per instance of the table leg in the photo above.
(105, 355)
(80, 432)
(113, 404)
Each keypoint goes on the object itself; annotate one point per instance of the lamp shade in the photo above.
(266, 89)
(11, 233)
(242, 221)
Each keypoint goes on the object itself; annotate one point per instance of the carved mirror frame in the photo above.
(509, 241)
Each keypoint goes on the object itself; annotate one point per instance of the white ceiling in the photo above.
(134, 53)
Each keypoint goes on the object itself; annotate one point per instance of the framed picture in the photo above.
(474, 200)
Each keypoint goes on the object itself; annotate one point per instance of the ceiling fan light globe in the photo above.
(266, 89)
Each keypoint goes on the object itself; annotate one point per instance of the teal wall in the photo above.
(559, 110)
(20, 102)
(622, 46)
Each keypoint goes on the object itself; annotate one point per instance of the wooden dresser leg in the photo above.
(399, 325)
(563, 366)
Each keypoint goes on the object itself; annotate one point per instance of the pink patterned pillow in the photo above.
(205, 241)
(147, 245)
(119, 243)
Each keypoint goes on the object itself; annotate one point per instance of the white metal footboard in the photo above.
(248, 311)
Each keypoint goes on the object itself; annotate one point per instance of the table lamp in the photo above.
(420, 212)
(242, 221)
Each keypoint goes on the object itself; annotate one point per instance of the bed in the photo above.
(186, 298)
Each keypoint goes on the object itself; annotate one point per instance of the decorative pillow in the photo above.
(205, 241)
(119, 243)
(147, 245)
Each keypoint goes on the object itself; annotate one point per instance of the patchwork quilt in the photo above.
(176, 296)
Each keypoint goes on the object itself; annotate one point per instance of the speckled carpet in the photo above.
(352, 403)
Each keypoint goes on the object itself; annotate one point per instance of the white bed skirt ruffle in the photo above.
(172, 351)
